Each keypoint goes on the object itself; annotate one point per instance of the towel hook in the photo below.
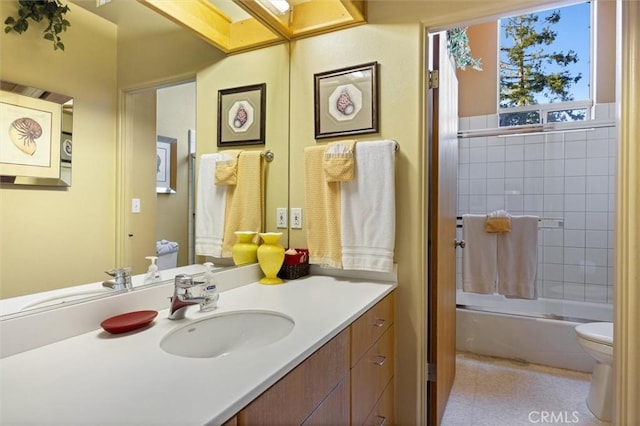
(459, 243)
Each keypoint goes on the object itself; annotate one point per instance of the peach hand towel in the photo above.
(518, 258)
(322, 206)
(479, 256)
(339, 161)
(244, 200)
(498, 222)
(227, 170)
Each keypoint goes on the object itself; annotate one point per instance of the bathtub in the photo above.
(538, 331)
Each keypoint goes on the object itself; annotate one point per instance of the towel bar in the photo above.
(268, 155)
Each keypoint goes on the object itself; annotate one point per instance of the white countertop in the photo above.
(101, 378)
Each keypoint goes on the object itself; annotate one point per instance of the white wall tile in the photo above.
(596, 239)
(554, 168)
(533, 139)
(597, 221)
(574, 238)
(598, 133)
(495, 186)
(534, 204)
(514, 152)
(597, 166)
(478, 154)
(597, 184)
(463, 171)
(573, 274)
(463, 187)
(533, 151)
(574, 202)
(575, 185)
(495, 141)
(553, 202)
(574, 220)
(477, 204)
(492, 121)
(595, 293)
(574, 292)
(496, 202)
(579, 135)
(597, 202)
(596, 256)
(553, 272)
(477, 186)
(574, 255)
(495, 154)
(554, 185)
(534, 185)
(552, 289)
(575, 149)
(575, 167)
(554, 150)
(515, 203)
(463, 155)
(553, 255)
(463, 123)
(601, 111)
(517, 169)
(597, 148)
(478, 122)
(596, 275)
(553, 237)
(514, 186)
(495, 170)
(613, 147)
(531, 168)
(478, 171)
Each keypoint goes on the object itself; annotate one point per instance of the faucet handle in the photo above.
(119, 272)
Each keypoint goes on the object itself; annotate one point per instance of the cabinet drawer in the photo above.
(370, 376)
(334, 410)
(382, 413)
(295, 396)
(370, 326)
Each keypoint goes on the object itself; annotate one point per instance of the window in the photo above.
(545, 66)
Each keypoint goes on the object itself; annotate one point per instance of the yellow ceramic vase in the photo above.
(244, 251)
(270, 257)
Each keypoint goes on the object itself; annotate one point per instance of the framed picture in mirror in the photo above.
(241, 115)
(346, 101)
(166, 163)
(30, 144)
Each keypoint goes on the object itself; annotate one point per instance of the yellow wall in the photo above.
(52, 238)
(271, 66)
(176, 115)
(479, 89)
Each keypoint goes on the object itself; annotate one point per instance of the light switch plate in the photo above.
(281, 217)
(135, 205)
(296, 218)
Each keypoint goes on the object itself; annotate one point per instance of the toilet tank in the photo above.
(167, 252)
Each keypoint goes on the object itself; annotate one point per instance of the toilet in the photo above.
(596, 338)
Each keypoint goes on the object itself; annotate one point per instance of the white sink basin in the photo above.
(227, 333)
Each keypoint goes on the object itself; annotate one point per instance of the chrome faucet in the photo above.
(121, 281)
(183, 297)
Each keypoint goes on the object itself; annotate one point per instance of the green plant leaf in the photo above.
(59, 45)
(48, 36)
(10, 20)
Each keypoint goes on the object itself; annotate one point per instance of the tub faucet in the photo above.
(183, 296)
(121, 281)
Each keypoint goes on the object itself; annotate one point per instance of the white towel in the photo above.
(166, 247)
(210, 207)
(479, 256)
(518, 258)
(368, 205)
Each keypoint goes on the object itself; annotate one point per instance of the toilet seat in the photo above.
(598, 332)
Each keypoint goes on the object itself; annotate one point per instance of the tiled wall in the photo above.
(568, 175)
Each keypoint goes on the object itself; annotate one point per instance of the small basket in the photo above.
(295, 265)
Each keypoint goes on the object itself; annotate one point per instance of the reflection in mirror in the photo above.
(66, 136)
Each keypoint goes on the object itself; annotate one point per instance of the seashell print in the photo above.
(344, 104)
(23, 132)
(240, 118)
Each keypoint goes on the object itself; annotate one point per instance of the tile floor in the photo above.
(499, 392)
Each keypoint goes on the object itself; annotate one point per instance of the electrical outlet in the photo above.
(281, 217)
(296, 218)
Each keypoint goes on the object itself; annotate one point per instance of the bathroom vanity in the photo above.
(335, 366)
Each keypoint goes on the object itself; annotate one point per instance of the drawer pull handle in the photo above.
(379, 323)
(380, 360)
(383, 420)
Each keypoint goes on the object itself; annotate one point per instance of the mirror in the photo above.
(60, 239)
(66, 136)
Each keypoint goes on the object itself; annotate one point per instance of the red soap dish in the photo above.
(128, 322)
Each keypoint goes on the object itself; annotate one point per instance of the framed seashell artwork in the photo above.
(346, 101)
(241, 115)
(29, 136)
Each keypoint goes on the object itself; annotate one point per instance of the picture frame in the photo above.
(346, 101)
(166, 165)
(241, 115)
(30, 130)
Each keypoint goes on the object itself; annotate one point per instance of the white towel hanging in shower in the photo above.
(518, 258)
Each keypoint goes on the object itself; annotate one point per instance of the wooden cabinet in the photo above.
(301, 392)
(347, 381)
(372, 361)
